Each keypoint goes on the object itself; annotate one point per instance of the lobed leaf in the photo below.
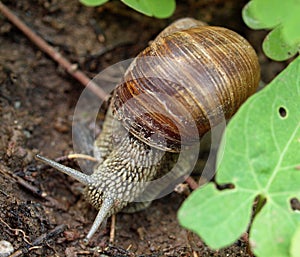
(261, 158)
(276, 47)
(93, 2)
(283, 17)
(156, 8)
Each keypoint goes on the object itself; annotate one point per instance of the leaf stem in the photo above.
(260, 203)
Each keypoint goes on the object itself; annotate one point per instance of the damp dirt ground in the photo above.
(37, 101)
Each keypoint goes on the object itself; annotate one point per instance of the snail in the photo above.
(190, 75)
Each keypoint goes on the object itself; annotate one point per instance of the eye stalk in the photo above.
(107, 204)
(79, 176)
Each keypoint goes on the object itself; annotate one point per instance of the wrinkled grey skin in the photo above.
(124, 166)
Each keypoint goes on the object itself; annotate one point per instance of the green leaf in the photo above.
(274, 227)
(138, 5)
(291, 28)
(156, 8)
(93, 2)
(276, 47)
(261, 157)
(266, 14)
(295, 246)
(162, 8)
(219, 219)
(283, 17)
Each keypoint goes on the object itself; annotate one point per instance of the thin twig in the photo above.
(112, 229)
(16, 230)
(4, 193)
(17, 253)
(35, 190)
(39, 240)
(192, 183)
(76, 156)
(52, 233)
(45, 47)
(82, 156)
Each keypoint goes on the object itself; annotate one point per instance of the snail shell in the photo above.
(198, 75)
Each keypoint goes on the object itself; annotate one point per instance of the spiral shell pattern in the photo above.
(194, 77)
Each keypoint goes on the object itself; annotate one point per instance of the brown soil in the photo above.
(37, 100)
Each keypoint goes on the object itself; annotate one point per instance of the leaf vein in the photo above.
(277, 168)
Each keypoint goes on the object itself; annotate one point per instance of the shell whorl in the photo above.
(193, 77)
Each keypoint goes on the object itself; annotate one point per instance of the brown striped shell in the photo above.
(189, 78)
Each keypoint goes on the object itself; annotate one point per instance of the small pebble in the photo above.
(17, 104)
(6, 248)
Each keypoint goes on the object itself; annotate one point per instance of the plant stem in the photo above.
(260, 203)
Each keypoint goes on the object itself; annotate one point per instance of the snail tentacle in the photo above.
(79, 176)
(102, 214)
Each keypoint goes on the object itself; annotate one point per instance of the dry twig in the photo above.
(16, 231)
(39, 240)
(82, 156)
(112, 229)
(192, 183)
(45, 47)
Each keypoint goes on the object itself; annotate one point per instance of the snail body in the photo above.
(190, 78)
